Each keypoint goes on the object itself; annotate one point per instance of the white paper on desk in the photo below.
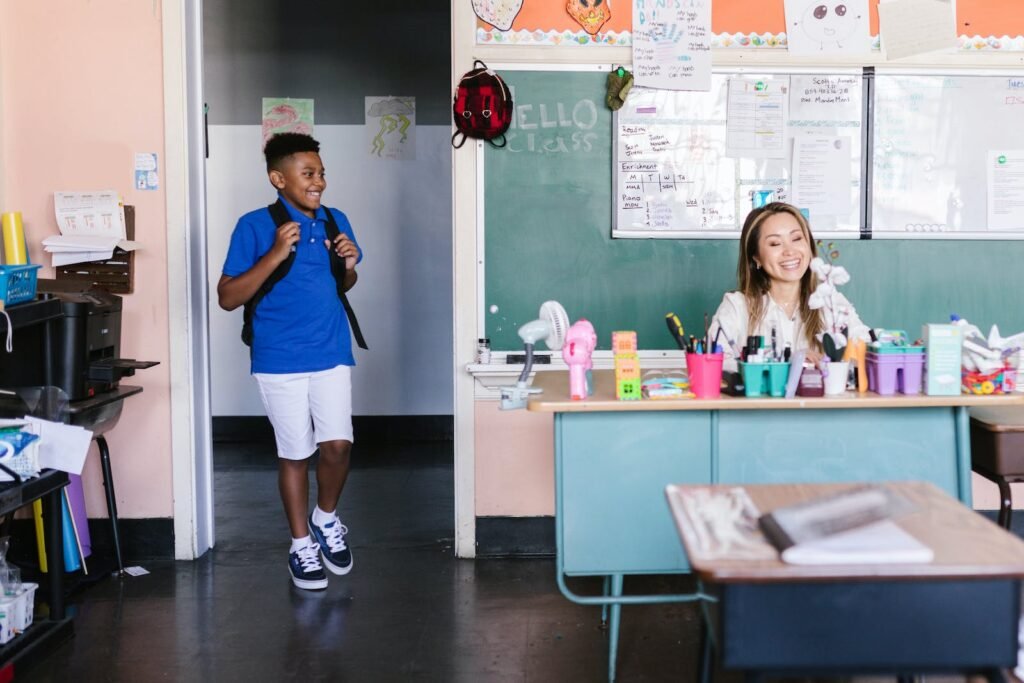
(911, 27)
(821, 174)
(90, 213)
(1005, 189)
(61, 447)
(883, 542)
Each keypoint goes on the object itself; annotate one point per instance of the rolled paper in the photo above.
(15, 252)
(72, 562)
(76, 499)
(37, 514)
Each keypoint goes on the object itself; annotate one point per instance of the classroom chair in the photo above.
(997, 451)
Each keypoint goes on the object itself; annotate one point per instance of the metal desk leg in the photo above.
(613, 625)
(108, 488)
(605, 587)
(55, 552)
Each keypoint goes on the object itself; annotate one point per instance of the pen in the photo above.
(774, 357)
(706, 337)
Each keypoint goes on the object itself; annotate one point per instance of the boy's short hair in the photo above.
(283, 145)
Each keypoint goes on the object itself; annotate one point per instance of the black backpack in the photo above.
(279, 213)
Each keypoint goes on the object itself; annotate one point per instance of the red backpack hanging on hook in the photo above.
(482, 107)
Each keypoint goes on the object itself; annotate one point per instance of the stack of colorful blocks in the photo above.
(627, 366)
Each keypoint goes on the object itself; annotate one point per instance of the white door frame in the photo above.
(185, 183)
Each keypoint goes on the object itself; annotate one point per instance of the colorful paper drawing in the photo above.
(391, 127)
(590, 14)
(498, 13)
(817, 27)
(557, 22)
(286, 115)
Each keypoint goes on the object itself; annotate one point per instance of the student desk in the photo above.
(958, 613)
(614, 458)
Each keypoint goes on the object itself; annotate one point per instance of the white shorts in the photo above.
(307, 408)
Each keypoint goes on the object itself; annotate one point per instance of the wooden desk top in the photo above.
(966, 545)
(555, 399)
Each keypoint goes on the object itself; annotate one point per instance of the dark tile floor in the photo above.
(409, 611)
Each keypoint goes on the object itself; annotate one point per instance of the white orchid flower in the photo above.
(839, 276)
(817, 299)
(819, 267)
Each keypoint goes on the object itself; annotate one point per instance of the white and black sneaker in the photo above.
(330, 538)
(306, 570)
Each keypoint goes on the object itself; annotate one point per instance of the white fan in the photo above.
(550, 327)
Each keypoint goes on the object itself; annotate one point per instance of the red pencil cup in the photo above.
(705, 372)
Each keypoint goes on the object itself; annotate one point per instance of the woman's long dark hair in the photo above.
(754, 283)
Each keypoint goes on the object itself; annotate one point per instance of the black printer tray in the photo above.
(113, 369)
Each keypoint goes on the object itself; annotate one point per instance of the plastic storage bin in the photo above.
(892, 372)
(765, 378)
(1002, 381)
(18, 283)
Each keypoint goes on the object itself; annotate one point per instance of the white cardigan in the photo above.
(732, 315)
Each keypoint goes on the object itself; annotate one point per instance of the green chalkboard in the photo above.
(547, 235)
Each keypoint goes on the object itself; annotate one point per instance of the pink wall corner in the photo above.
(82, 93)
(985, 494)
(515, 462)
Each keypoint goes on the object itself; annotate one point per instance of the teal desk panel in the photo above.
(814, 446)
(612, 472)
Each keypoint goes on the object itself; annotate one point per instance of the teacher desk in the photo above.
(613, 460)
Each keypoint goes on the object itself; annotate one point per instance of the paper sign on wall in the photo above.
(818, 29)
(286, 115)
(146, 171)
(672, 45)
(391, 127)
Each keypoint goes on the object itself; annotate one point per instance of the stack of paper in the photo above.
(91, 226)
(854, 526)
(61, 446)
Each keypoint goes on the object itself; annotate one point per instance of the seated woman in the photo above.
(774, 284)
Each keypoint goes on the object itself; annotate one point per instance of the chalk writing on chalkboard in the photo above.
(551, 126)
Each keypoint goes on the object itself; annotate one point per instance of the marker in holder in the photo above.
(705, 374)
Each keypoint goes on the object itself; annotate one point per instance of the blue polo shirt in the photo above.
(300, 325)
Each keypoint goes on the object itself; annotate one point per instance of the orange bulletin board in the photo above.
(548, 21)
(990, 17)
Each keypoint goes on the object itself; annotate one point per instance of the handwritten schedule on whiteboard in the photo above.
(677, 172)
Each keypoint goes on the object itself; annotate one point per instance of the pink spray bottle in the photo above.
(580, 342)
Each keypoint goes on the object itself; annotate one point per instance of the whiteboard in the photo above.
(933, 135)
(672, 174)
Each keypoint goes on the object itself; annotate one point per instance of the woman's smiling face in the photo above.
(783, 249)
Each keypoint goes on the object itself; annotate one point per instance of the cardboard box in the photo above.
(942, 359)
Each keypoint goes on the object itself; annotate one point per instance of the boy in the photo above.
(301, 349)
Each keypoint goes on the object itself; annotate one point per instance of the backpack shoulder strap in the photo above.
(338, 270)
(279, 213)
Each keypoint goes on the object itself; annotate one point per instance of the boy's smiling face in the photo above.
(300, 179)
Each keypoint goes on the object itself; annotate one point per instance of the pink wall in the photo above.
(82, 93)
(515, 462)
